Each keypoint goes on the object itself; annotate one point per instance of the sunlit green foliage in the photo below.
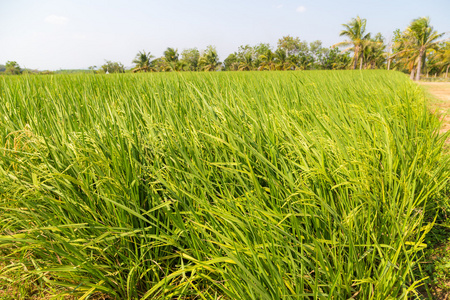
(12, 68)
(113, 67)
(221, 185)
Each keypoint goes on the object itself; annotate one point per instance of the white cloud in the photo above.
(280, 6)
(57, 20)
(301, 9)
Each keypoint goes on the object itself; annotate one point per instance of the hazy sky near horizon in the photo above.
(76, 34)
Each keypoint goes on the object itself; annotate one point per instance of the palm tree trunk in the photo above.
(419, 65)
(355, 58)
(412, 74)
(389, 64)
(361, 62)
(446, 72)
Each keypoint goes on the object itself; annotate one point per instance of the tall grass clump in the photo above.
(280, 185)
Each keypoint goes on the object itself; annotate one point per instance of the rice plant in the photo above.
(280, 185)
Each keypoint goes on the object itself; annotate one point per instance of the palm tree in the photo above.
(293, 63)
(305, 61)
(404, 55)
(373, 52)
(171, 57)
(355, 31)
(423, 38)
(267, 61)
(231, 63)
(282, 61)
(209, 61)
(246, 64)
(443, 57)
(142, 61)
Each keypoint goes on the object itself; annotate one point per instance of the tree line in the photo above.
(416, 50)
(11, 68)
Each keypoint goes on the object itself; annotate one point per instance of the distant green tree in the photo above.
(209, 59)
(189, 59)
(93, 69)
(424, 37)
(403, 58)
(294, 63)
(231, 62)
(142, 61)
(280, 59)
(355, 31)
(443, 57)
(171, 57)
(412, 46)
(267, 60)
(12, 68)
(262, 48)
(160, 65)
(283, 61)
(245, 56)
(290, 45)
(246, 63)
(335, 60)
(373, 52)
(304, 58)
(113, 67)
(258, 51)
(317, 54)
(433, 62)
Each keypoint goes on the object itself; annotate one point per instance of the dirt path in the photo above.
(441, 102)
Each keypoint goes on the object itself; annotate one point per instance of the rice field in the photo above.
(249, 185)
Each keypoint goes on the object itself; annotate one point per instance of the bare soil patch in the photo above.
(440, 104)
(440, 91)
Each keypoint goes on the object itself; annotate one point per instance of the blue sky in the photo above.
(54, 34)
